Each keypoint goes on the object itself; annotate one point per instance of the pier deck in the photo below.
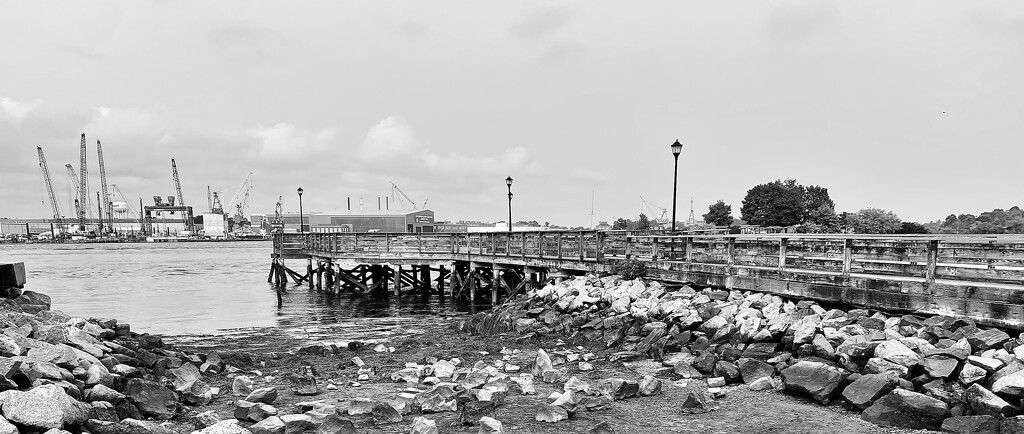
(976, 276)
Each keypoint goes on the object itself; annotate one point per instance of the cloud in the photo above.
(541, 23)
(15, 111)
(247, 42)
(289, 142)
(560, 52)
(388, 139)
(797, 21)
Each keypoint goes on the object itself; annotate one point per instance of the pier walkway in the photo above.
(976, 276)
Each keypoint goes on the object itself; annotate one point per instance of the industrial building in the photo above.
(418, 221)
(166, 218)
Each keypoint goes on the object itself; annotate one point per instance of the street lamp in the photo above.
(676, 149)
(300, 210)
(508, 182)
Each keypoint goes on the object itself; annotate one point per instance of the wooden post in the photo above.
(558, 246)
(654, 249)
(933, 261)
(689, 249)
(319, 276)
(397, 270)
(629, 245)
(387, 243)
(440, 281)
(729, 263)
(270, 276)
(600, 245)
(847, 257)
(782, 253)
(425, 279)
(508, 244)
(309, 271)
(472, 285)
(495, 284)
(582, 247)
(419, 242)
(522, 245)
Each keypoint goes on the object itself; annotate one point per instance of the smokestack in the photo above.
(378, 203)
(387, 203)
(349, 200)
(360, 204)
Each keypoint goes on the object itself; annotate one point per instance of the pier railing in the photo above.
(979, 276)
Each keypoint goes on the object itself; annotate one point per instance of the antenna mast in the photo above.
(83, 185)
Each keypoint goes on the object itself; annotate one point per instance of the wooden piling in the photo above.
(440, 282)
(398, 280)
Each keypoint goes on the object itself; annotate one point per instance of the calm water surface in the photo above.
(204, 288)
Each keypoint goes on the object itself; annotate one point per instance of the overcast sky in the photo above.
(914, 107)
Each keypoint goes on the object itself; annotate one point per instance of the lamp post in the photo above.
(676, 149)
(299, 190)
(508, 182)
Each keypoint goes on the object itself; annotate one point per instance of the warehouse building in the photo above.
(419, 221)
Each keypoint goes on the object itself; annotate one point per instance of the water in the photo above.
(204, 288)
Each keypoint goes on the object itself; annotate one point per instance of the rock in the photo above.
(864, 391)
(696, 401)
(617, 388)
(336, 425)
(297, 423)
(359, 406)
(983, 401)
(972, 374)
(763, 383)
(542, 363)
(989, 364)
(205, 419)
(601, 428)
(241, 386)
(987, 339)
(266, 395)
(259, 411)
(490, 426)
(983, 424)
(650, 386)
(896, 352)
(9, 347)
(100, 392)
(472, 411)
(197, 393)
(385, 414)
(6, 427)
(422, 425)
(229, 426)
(270, 425)
(44, 407)
(304, 385)
(812, 378)
(151, 398)
(1012, 425)
(551, 413)
(726, 370)
(1012, 384)
(905, 409)
(882, 366)
(751, 370)
(939, 366)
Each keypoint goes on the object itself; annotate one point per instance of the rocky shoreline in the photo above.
(901, 371)
(589, 354)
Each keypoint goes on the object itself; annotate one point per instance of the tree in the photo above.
(642, 223)
(776, 203)
(621, 224)
(874, 221)
(912, 228)
(719, 214)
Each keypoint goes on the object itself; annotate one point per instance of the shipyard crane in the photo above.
(74, 182)
(45, 169)
(654, 209)
(398, 199)
(181, 200)
(105, 205)
(127, 203)
(83, 185)
(246, 184)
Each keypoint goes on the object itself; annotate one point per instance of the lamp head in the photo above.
(508, 181)
(299, 190)
(677, 148)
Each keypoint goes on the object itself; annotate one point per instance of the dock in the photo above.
(980, 277)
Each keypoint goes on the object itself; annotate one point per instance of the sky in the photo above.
(915, 106)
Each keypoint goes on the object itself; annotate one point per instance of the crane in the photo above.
(653, 209)
(83, 185)
(105, 204)
(394, 188)
(181, 200)
(247, 181)
(127, 203)
(74, 181)
(49, 188)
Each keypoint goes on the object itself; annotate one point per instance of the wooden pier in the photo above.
(976, 276)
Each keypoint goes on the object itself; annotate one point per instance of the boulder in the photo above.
(100, 392)
(270, 425)
(617, 388)
(229, 426)
(896, 352)
(266, 395)
(385, 414)
(864, 391)
(972, 374)
(422, 425)
(905, 409)
(650, 386)
(542, 363)
(151, 398)
(44, 407)
(939, 366)
(987, 339)
(551, 413)
(816, 379)
(490, 426)
(983, 401)
(241, 385)
(696, 401)
(751, 370)
(337, 425)
(1012, 384)
(1012, 425)
(983, 424)
(297, 423)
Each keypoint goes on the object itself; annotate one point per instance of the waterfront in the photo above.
(202, 288)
